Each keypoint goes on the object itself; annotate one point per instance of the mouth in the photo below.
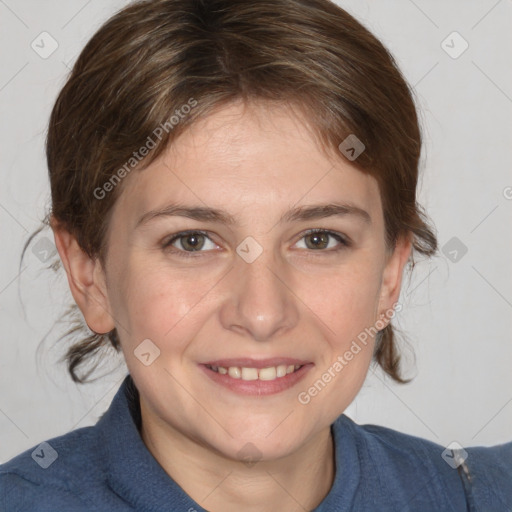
(257, 377)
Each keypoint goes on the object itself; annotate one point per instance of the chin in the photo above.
(254, 443)
(262, 450)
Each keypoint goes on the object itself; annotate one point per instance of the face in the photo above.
(244, 253)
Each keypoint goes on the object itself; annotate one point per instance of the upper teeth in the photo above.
(269, 373)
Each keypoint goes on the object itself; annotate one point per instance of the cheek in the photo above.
(152, 302)
(349, 311)
(347, 303)
(346, 300)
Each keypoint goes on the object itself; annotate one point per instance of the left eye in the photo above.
(317, 239)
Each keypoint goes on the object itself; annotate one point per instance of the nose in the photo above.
(260, 302)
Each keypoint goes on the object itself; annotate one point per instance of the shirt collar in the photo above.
(136, 476)
(132, 471)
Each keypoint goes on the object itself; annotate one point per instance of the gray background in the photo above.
(457, 307)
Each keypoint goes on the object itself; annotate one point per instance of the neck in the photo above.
(218, 483)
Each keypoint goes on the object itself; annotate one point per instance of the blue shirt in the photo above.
(107, 467)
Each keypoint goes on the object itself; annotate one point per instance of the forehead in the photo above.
(247, 157)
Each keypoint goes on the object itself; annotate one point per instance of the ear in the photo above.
(392, 276)
(86, 280)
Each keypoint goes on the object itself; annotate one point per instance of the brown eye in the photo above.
(192, 242)
(320, 240)
(189, 242)
(317, 240)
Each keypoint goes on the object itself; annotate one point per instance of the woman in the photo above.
(234, 202)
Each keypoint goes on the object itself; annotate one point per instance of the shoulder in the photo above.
(395, 446)
(60, 468)
(408, 470)
(489, 477)
(74, 471)
(475, 477)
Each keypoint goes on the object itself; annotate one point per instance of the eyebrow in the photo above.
(300, 213)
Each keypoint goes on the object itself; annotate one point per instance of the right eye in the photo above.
(189, 242)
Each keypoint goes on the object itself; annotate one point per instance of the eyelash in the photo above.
(343, 241)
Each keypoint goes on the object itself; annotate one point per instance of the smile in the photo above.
(247, 373)
(246, 376)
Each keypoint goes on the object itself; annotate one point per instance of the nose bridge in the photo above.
(259, 304)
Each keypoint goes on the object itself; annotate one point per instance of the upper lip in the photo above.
(247, 362)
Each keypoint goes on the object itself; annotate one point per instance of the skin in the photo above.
(256, 162)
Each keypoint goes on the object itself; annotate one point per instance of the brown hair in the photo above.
(155, 56)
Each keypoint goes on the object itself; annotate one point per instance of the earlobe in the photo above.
(86, 280)
(392, 276)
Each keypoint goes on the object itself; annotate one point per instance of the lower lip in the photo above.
(258, 387)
